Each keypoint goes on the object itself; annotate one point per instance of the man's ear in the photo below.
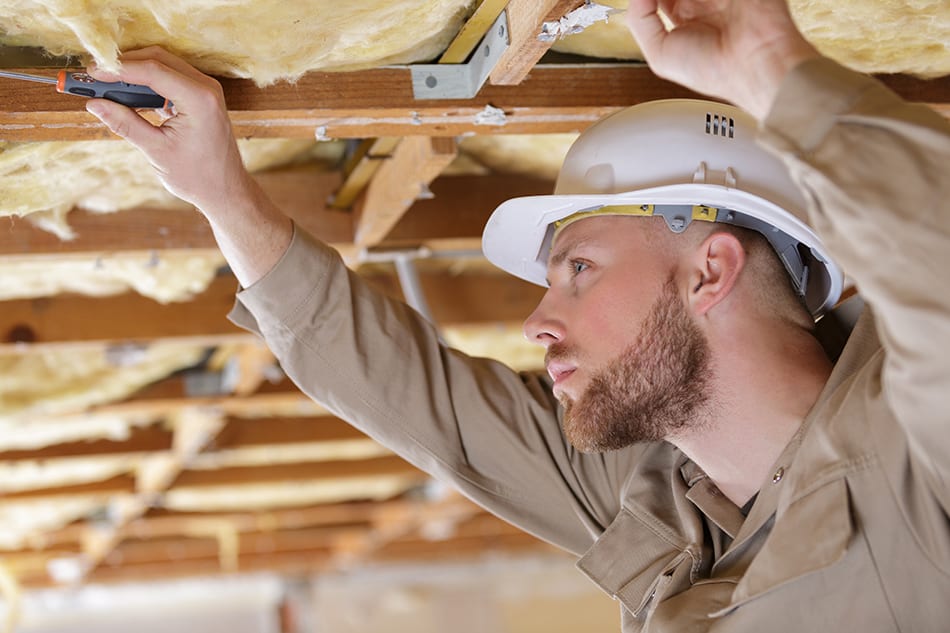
(714, 269)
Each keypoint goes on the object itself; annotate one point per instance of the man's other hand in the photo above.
(738, 50)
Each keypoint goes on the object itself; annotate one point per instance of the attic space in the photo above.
(150, 450)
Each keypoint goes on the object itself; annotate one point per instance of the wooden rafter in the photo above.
(458, 209)
(360, 168)
(525, 18)
(70, 319)
(372, 103)
(399, 182)
(472, 31)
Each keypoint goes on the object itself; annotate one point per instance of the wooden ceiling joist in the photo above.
(483, 297)
(379, 102)
(165, 524)
(370, 103)
(525, 18)
(126, 484)
(311, 471)
(360, 167)
(299, 192)
(402, 179)
(472, 31)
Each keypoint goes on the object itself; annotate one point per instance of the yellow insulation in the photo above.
(266, 40)
(46, 180)
(875, 36)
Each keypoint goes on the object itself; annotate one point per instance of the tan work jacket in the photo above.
(849, 533)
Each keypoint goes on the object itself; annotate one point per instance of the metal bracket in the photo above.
(462, 81)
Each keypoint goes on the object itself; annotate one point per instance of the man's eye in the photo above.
(578, 266)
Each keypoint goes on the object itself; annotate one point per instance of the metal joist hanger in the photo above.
(463, 81)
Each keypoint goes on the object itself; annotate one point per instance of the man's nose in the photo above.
(542, 326)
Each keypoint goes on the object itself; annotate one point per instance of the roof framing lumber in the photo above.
(379, 102)
(166, 524)
(458, 209)
(473, 31)
(234, 476)
(369, 103)
(525, 18)
(400, 180)
(389, 465)
(74, 319)
(360, 167)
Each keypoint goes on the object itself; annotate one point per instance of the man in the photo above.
(746, 483)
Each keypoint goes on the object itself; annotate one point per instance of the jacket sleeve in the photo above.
(474, 423)
(876, 173)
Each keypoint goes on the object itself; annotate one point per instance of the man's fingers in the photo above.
(645, 25)
(126, 123)
(190, 91)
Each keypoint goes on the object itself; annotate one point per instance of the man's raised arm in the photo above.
(195, 155)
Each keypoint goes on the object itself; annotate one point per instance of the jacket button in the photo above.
(777, 477)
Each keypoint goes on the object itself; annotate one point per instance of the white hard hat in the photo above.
(686, 160)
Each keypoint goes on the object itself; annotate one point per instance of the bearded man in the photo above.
(721, 466)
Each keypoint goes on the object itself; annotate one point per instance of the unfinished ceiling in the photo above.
(141, 434)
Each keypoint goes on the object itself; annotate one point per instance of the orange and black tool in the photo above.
(83, 85)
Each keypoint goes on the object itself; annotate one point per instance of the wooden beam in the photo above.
(248, 432)
(398, 183)
(473, 31)
(74, 318)
(525, 18)
(466, 298)
(117, 485)
(159, 523)
(147, 439)
(233, 476)
(360, 168)
(287, 551)
(379, 102)
(312, 471)
(363, 104)
(459, 208)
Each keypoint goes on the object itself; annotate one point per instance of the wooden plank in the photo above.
(398, 183)
(141, 440)
(525, 18)
(131, 317)
(369, 103)
(459, 209)
(361, 167)
(160, 523)
(233, 476)
(248, 432)
(468, 298)
(379, 102)
(472, 31)
(117, 485)
(312, 471)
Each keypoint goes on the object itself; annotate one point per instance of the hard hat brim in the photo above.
(517, 237)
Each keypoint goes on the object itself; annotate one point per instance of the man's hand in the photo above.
(739, 50)
(197, 159)
(194, 151)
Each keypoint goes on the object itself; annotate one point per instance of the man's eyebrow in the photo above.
(561, 254)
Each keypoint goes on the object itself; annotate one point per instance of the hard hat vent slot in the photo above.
(718, 125)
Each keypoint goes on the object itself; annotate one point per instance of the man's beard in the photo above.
(656, 388)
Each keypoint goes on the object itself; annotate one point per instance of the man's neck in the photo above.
(764, 390)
